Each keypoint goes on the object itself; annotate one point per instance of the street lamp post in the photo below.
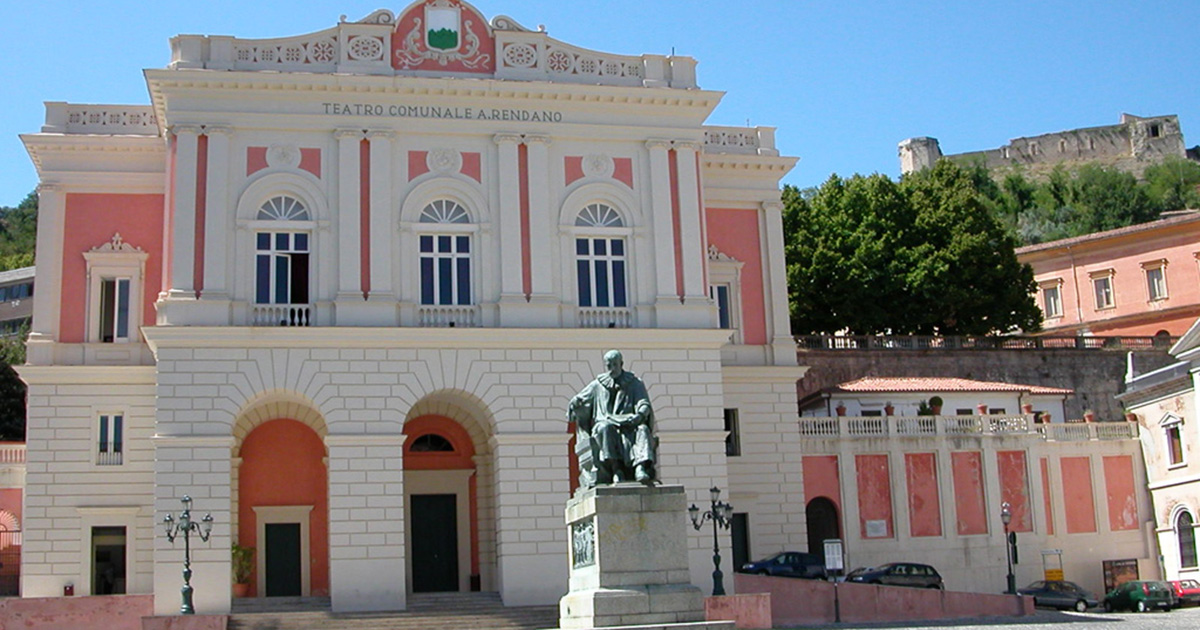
(720, 514)
(1010, 539)
(185, 525)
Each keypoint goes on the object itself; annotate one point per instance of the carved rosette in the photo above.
(285, 156)
(598, 165)
(444, 161)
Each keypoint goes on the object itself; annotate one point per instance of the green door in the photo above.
(283, 560)
(434, 543)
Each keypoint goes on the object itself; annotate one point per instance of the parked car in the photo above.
(1186, 591)
(899, 574)
(1141, 595)
(788, 564)
(1060, 594)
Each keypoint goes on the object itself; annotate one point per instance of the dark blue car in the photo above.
(788, 564)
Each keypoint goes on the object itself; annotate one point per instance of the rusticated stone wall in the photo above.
(1095, 375)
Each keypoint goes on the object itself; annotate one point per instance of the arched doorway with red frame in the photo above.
(442, 506)
(283, 508)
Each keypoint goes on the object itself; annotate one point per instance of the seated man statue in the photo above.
(614, 427)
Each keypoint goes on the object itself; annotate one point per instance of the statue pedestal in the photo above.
(629, 560)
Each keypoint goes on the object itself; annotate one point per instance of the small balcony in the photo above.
(605, 317)
(281, 315)
(448, 316)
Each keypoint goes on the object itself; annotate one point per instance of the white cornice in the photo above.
(87, 374)
(159, 337)
(43, 146)
(767, 163)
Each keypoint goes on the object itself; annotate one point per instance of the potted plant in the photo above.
(1089, 415)
(935, 405)
(841, 409)
(243, 566)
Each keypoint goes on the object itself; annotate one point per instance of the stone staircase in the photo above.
(434, 611)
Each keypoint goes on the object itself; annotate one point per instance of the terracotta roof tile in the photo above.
(1182, 217)
(938, 384)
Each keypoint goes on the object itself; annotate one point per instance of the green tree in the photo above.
(922, 256)
(1173, 184)
(12, 390)
(18, 233)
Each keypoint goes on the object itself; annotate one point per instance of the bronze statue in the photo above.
(614, 427)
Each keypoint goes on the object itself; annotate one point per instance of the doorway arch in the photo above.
(823, 522)
(441, 503)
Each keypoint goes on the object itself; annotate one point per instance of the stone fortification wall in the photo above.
(1131, 145)
(1095, 375)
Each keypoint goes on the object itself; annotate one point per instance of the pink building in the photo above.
(1141, 280)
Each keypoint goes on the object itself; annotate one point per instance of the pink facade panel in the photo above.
(736, 234)
(472, 166)
(1120, 492)
(821, 478)
(1077, 495)
(874, 496)
(310, 160)
(1014, 488)
(573, 170)
(417, 165)
(968, 492)
(91, 220)
(924, 511)
(1046, 496)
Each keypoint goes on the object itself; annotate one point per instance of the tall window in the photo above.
(281, 263)
(720, 295)
(1102, 286)
(114, 310)
(600, 261)
(1172, 425)
(1051, 300)
(1156, 282)
(445, 257)
(111, 441)
(1185, 532)
(733, 437)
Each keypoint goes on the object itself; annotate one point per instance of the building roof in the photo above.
(13, 275)
(938, 384)
(1183, 217)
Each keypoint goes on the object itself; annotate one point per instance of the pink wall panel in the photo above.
(10, 501)
(90, 220)
(256, 160)
(1077, 495)
(924, 512)
(572, 169)
(968, 492)
(1046, 496)
(821, 478)
(417, 165)
(874, 492)
(1014, 488)
(471, 166)
(1119, 486)
(735, 233)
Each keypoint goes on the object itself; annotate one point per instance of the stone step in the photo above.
(467, 611)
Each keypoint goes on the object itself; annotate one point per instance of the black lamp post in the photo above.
(186, 526)
(1010, 540)
(720, 514)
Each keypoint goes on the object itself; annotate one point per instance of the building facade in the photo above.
(1140, 280)
(339, 287)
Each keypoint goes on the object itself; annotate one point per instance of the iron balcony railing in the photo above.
(851, 427)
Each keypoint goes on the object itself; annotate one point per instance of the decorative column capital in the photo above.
(772, 206)
(380, 134)
(194, 130)
(687, 144)
(506, 138)
(543, 140)
(218, 130)
(49, 187)
(348, 134)
(657, 143)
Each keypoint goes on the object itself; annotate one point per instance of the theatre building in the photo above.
(339, 287)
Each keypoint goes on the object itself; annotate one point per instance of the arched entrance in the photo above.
(823, 524)
(441, 504)
(283, 509)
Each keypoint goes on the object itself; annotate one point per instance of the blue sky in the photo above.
(843, 81)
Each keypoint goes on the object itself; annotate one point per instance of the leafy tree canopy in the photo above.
(924, 255)
(18, 235)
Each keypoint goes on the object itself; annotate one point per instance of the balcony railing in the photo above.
(926, 342)
(281, 315)
(850, 427)
(597, 317)
(448, 316)
(109, 458)
(12, 453)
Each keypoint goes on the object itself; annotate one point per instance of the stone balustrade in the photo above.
(852, 427)
(740, 140)
(124, 120)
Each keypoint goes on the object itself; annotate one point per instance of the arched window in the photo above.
(445, 256)
(431, 443)
(600, 259)
(1185, 533)
(281, 261)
